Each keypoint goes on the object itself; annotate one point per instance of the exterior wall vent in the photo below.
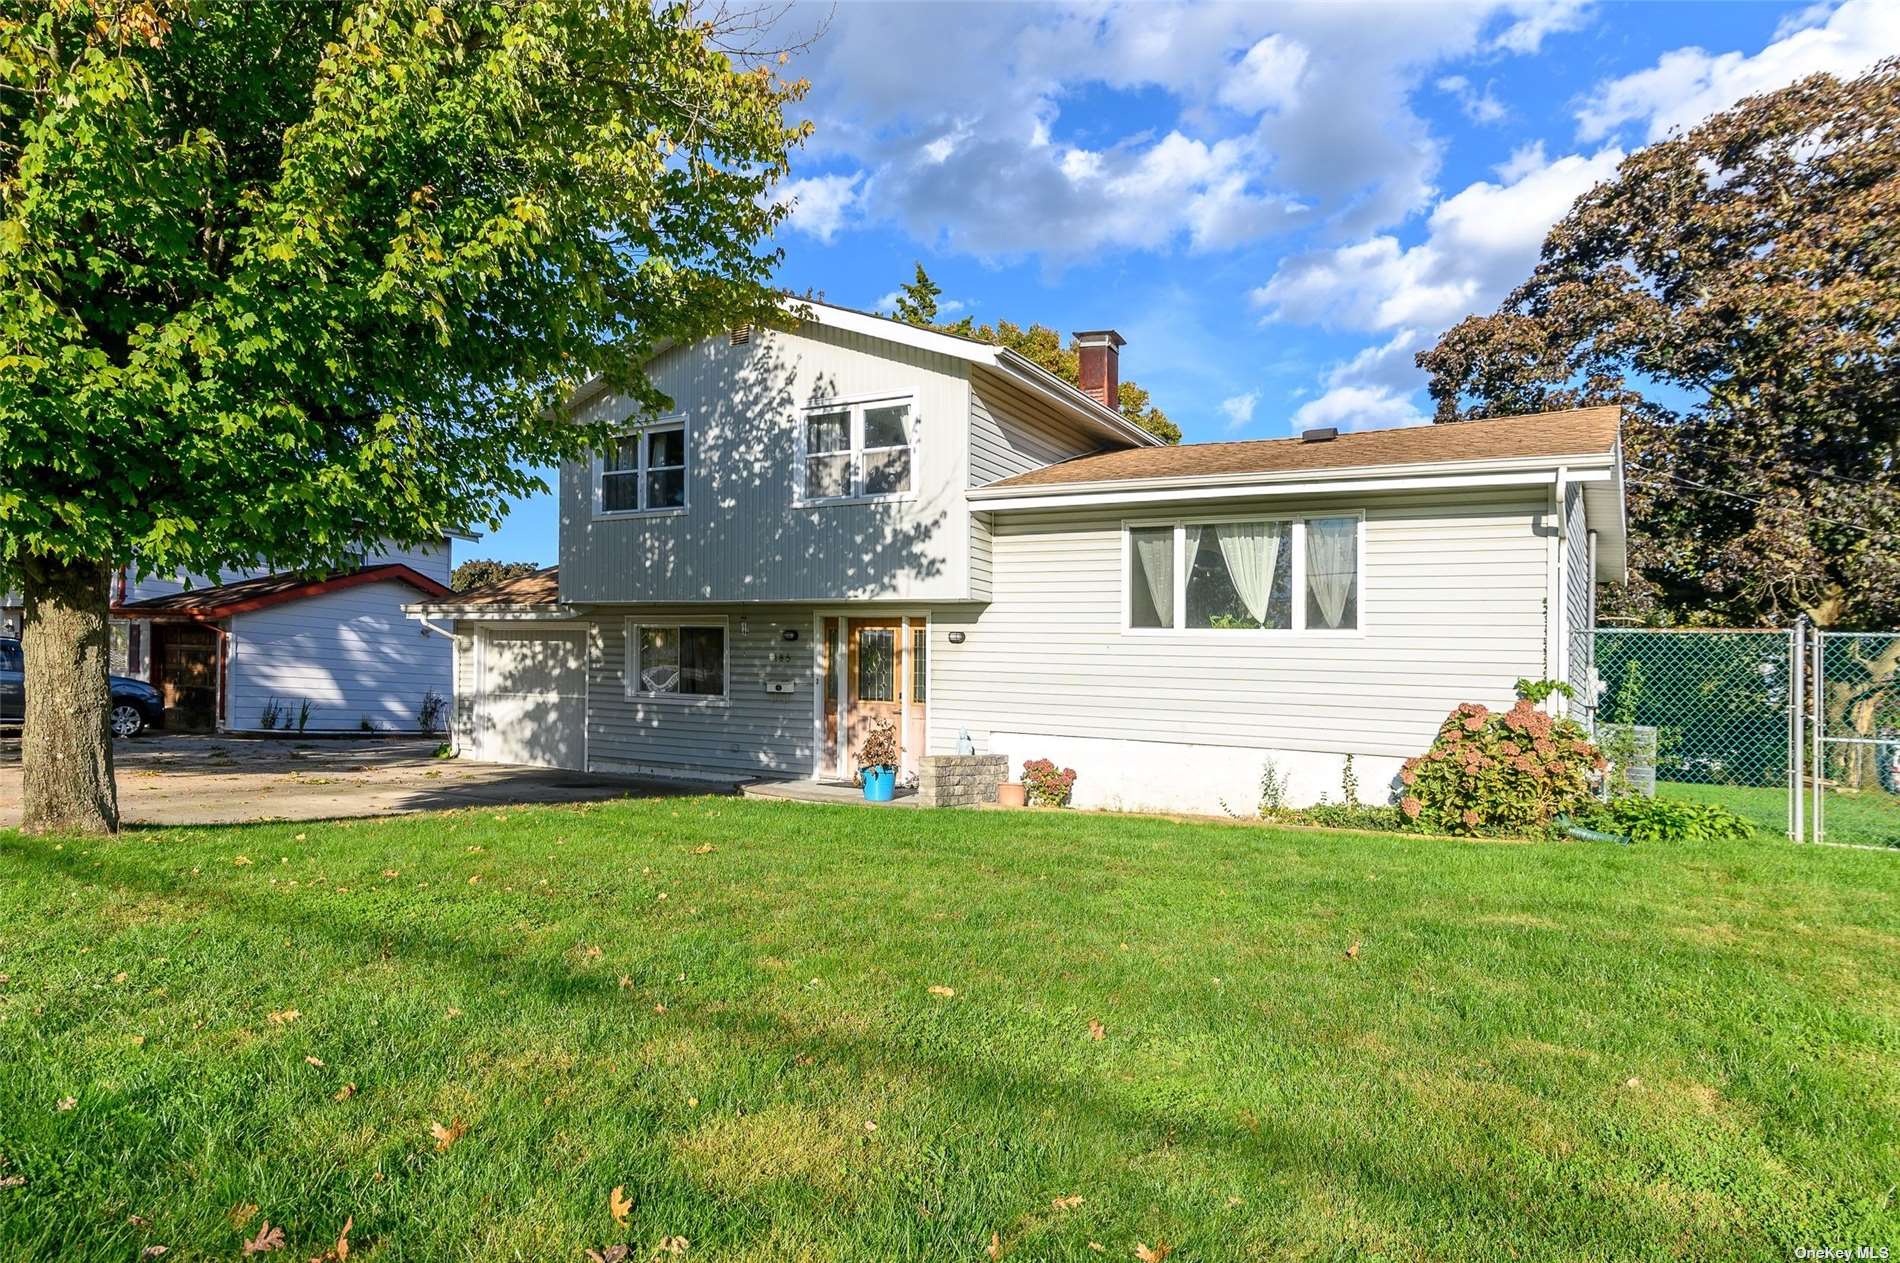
(1324, 434)
(739, 336)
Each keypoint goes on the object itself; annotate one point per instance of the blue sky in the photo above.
(1276, 204)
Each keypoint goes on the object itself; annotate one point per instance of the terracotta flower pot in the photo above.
(1011, 794)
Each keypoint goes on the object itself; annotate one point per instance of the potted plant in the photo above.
(1011, 794)
(877, 763)
(1047, 784)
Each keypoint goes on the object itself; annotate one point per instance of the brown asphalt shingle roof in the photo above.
(543, 587)
(1575, 432)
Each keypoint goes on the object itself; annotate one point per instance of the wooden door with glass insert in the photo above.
(874, 659)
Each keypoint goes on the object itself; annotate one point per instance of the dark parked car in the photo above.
(136, 705)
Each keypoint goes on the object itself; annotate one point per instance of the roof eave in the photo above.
(1095, 490)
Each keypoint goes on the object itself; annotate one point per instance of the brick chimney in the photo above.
(1100, 350)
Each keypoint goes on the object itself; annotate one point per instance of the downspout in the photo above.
(439, 630)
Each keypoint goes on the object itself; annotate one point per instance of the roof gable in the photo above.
(225, 599)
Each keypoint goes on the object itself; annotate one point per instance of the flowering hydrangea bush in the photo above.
(1046, 784)
(1513, 771)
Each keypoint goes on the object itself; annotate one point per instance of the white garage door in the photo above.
(531, 700)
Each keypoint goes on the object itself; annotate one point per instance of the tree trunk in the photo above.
(66, 747)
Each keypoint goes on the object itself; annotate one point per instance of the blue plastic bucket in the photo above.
(880, 783)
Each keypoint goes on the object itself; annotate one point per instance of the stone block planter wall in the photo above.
(960, 780)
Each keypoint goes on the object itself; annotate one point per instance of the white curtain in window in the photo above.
(1251, 551)
(1155, 551)
(1330, 545)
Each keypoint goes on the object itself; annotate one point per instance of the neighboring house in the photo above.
(233, 650)
(861, 521)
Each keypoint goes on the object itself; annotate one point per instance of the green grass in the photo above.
(1542, 1051)
(1871, 818)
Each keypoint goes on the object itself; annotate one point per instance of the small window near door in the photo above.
(877, 665)
(676, 661)
(919, 642)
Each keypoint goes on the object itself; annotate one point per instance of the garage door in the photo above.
(531, 701)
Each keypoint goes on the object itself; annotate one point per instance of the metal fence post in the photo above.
(1797, 708)
(1818, 705)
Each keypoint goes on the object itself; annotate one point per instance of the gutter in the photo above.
(1598, 467)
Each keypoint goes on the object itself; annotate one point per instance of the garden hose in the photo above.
(1572, 829)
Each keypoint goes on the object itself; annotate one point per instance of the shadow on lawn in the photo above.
(976, 1077)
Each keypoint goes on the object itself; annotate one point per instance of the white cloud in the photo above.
(1282, 116)
(1689, 84)
(1524, 160)
(1267, 78)
(1358, 408)
(1478, 244)
(820, 204)
(1239, 410)
(1479, 106)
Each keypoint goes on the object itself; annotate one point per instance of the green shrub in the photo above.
(1348, 816)
(1509, 772)
(1667, 820)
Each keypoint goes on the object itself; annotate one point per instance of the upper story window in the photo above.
(645, 471)
(1256, 574)
(856, 451)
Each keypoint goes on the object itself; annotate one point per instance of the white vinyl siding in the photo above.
(351, 653)
(1452, 602)
(747, 535)
(750, 733)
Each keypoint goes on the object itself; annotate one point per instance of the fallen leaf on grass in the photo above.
(345, 1092)
(1160, 1251)
(302, 836)
(266, 1240)
(12, 1181)
(390, 872)
(313, 1061)
(1097, 1030)
(446, 1136)
(619, 1204)
(121, 976)
(241, 1214)
(612, 1254)
(283, 1018)
(1352, 953)
(154, 1251)
(944, 992)
(1066, 1203)
(67, 1102)
(869, 1125)
(341, 1250)
(1096, 1246)
(241, 861)
(704, 848)
(659, 1008)
(675, 1246)
(451, 1014)
(995, 1247)
(1235, 1201)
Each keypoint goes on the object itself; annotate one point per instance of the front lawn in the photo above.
(792, 1032)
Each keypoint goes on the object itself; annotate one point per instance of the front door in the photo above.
(879, 673)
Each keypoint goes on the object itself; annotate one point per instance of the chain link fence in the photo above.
(1702, 715)
(1854, 787)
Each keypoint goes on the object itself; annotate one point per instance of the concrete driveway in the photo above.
(178, 779)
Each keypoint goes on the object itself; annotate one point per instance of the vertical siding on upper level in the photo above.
(743, 537)
(1454, 610)
(1579, 600)
(1013, 432)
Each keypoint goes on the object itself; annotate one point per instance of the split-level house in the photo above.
(858, 521)
(254, 648)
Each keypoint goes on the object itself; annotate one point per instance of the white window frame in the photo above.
(1298, 583)
(639, 471)
(856, 408)
(630, 629)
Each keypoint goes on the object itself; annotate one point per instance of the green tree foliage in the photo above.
(917, 301)
(275, 278)
(480, 572)
(1037, 343)
(1751, 265)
